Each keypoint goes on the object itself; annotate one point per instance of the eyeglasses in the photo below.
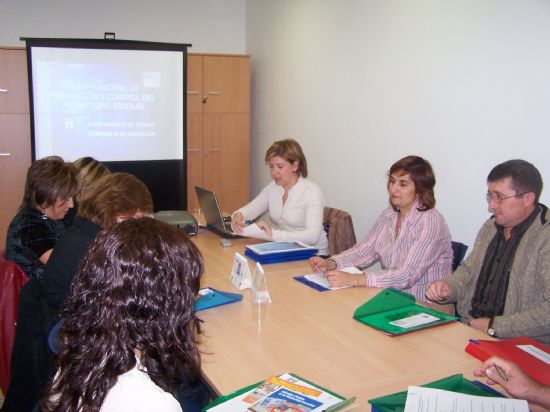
(498, 198)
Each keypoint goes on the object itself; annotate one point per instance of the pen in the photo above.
(473, 341)
(501, 373)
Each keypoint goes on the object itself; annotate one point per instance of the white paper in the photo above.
(415, 320)
(253, 230)
(436, 400)
(536, 352)
(320, 279)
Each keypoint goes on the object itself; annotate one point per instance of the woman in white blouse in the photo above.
(295, 204)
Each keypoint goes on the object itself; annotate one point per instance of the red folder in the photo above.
(508, 349)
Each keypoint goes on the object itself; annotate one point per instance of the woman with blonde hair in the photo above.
(295, 204)
(89, 172)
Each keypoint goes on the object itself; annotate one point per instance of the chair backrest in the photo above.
(459, 251)
(339, 227)
(12, 279)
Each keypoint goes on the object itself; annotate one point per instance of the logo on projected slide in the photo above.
(151, 79)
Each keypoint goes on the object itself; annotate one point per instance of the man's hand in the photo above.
(439, 291)
(481, 324)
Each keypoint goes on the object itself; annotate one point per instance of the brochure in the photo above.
(287, 392)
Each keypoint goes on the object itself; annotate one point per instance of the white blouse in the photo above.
(300, 218)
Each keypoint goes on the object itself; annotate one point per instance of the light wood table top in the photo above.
(313, 334)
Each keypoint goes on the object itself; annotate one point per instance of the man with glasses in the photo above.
(503, 286)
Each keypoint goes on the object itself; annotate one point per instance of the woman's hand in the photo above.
(338, 279)
(266, 228)
(318, 264)
(237, 222)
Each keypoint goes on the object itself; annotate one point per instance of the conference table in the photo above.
(313, 335)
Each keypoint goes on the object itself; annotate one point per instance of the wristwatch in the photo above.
(490, 330)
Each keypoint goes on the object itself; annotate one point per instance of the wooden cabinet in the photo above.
(218, 106)
(15, 146)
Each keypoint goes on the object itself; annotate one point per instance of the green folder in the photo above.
(242, 391)
(455, 383)
(394, 313)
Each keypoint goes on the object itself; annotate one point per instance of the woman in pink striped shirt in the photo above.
(410, 239)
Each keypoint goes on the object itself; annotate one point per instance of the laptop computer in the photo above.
(212, 213)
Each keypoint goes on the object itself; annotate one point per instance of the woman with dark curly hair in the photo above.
(129, 327)
(115, 197)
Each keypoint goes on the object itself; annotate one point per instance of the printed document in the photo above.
(420, 399)
(253, 230)
(320, 278)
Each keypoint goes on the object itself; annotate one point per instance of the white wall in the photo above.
(211, 26)
(362, 83)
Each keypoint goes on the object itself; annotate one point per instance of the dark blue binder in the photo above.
(305, 281)
(275, 252)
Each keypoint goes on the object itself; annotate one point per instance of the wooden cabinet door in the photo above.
(226, 154)
(226, 84)
(194, 84)
(194, 158)
(14, 95)
(15, 159)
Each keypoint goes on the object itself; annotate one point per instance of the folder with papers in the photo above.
(395, 313)
(395, 402)
(532, 356)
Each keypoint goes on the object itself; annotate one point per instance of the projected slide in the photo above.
(114, 105)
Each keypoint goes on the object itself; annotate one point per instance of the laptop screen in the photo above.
(210, 208)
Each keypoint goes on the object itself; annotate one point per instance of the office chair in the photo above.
(339, 227)
(459, 251)
(12, 279)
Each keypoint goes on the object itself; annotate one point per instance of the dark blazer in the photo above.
(41, 303)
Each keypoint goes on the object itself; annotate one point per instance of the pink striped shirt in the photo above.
(410, 261)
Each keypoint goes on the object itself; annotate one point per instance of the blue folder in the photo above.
(305, 281)
(279, 257)
(275, 252)
(215, 298)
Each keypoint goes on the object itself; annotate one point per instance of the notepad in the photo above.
(319, 282)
